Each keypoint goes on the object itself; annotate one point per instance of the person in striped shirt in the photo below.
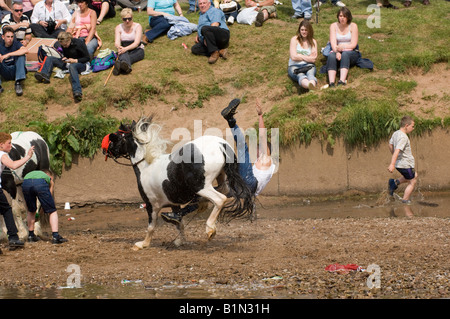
(19, 22)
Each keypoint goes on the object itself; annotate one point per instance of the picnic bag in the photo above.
(228, 7)
(46, 50)
(104, 60)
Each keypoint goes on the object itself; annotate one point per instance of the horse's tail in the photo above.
(242, 197)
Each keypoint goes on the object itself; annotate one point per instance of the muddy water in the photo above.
(431, 206)
(137, 290)
(383, 207)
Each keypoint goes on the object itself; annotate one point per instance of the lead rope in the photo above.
(125, 164)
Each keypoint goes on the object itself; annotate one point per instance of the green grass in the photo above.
(414, 38)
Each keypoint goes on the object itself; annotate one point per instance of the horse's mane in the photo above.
(146, 133)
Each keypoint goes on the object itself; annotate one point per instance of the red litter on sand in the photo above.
(343, 269)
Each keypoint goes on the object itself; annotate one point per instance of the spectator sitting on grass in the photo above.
(157, 10)
(266, 9)
(19, 22)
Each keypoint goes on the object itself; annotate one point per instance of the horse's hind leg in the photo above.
(222, 185)
(218, 200)
(153, 215)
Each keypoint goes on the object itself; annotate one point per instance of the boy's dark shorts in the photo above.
(407, 173)
(34, 189)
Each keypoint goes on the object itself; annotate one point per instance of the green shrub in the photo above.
(73, 135)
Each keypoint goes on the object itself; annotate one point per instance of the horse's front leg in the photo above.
(218, 200)
(181, 239)
(152, 218)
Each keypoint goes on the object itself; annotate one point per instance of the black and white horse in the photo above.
(171, 180)
(12, 179)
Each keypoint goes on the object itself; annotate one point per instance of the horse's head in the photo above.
(116, 145)
(141, 137)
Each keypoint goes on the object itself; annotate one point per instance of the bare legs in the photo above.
(410, 187)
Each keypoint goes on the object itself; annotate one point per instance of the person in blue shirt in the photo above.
(157, 9)
(12, 60)
(213, 34)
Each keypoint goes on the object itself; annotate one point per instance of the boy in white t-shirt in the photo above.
(402, 159)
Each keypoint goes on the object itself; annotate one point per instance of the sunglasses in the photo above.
(127, 19)
(18, 10)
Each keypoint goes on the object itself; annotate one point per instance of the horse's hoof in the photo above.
(178, 242)
(138, 246)
(211, 234)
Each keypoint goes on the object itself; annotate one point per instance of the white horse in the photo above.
(12, 179)
(171, 180)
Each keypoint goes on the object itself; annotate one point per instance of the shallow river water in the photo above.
(435, 206)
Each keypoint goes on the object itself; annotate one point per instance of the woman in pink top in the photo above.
(128, 43)
(83, 26)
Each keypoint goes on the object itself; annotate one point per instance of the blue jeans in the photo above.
(310, 75)
(74, 70)
(14, 72)
(159, 26)
(243, 157)
(192, 5)
(302, 7)
(34, 189)
(91, 46)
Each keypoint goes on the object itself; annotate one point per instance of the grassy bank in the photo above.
(364, 113)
